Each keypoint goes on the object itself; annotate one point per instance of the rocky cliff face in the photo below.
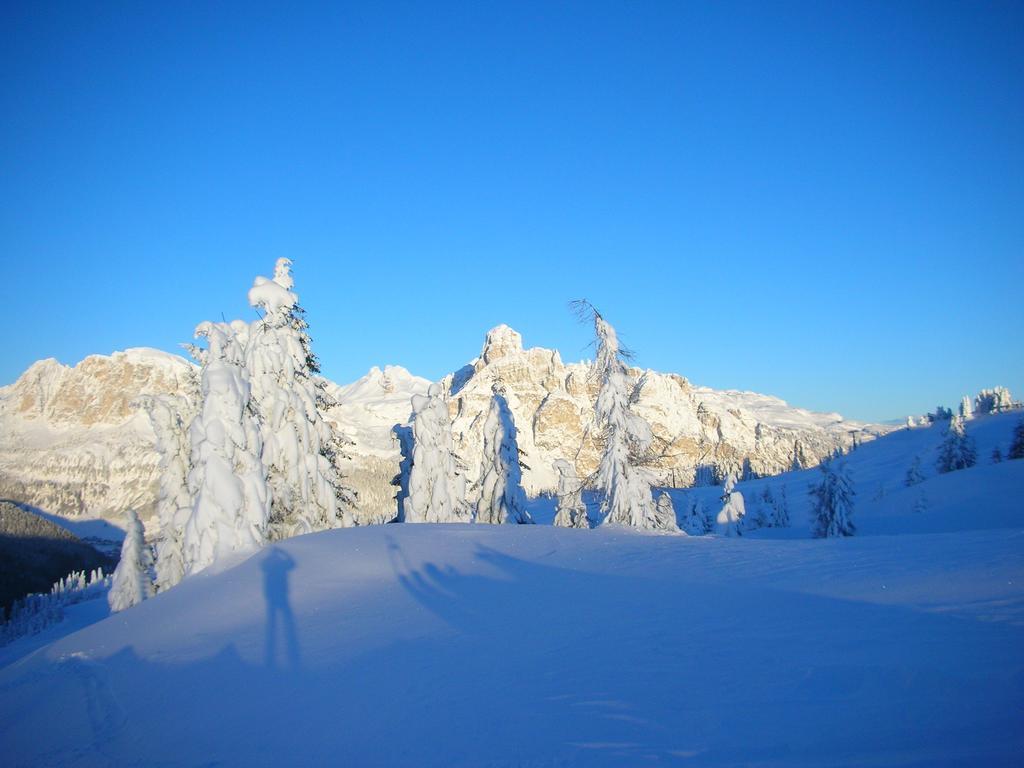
(703, 433)
(71, 442)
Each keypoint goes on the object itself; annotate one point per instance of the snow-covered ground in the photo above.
(478, 645)
(470, 645)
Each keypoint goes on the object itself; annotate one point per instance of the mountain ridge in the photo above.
(73, 444)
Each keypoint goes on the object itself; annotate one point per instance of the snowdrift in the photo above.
(460, 645)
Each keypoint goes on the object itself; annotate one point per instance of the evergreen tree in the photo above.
(997, 456)
(957, 451)
(1017, 444)
(170, 417)
(227, 480)
(437, 488)
(132, 582)
(966, 411)
(666, 513)
(730, 517)
(798, 458)
(914, 474)
(780, 518)
(759, 516)
(832, 500)
(571, 511)
(626, 439)
(502, 499)
(696, 521)
(299, 446)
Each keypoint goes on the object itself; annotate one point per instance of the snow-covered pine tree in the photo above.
(993, 400)
(780, 506)
(437, 487)
(797, 462)
(730, 517)
(832, 502)
(403, 437)
(997, 455)
(666, 512)
(571, 512)
(966, 411)
(910, 422)
(132, 582)
(170, 417)
(626, 439)
(914, 474)
(227, 479)
(299, 445)
(696, 521)
(757, 517)
(957, 451)
(502, 499)
(1017, 444)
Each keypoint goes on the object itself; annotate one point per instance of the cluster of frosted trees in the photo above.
(34, 613)
(437, 488)
(254, 462)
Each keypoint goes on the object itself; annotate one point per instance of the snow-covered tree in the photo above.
(170, 417)
(798, 462)
(914, 474)
(957, 451)
(966, 410)
(299, 446)
(437, 487)
(666, 512)
(730, 517)
(571, 512)
(993, 400)
(910, 422)
(626, 439)
(997, 455)
(403, 437)
(227, 479)
(832, 498)
(502, 499)
(780, 507)
(132, 582)
(758, 516)
(1017, 444)
(696, 520)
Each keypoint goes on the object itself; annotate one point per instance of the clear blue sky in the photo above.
(822, 201)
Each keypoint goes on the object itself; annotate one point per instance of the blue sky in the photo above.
(819, 201)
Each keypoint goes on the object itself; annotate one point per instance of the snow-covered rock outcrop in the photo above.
(703, 433)
(73, 443)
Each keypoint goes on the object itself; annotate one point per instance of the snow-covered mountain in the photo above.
(70, 441)
(72, 444)
(705, 433)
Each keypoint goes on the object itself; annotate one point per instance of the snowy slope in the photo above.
(535, 646)
(985, 496)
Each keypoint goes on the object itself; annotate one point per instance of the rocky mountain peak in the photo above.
(500, 342)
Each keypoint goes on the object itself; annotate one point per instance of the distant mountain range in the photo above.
(72, 444)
